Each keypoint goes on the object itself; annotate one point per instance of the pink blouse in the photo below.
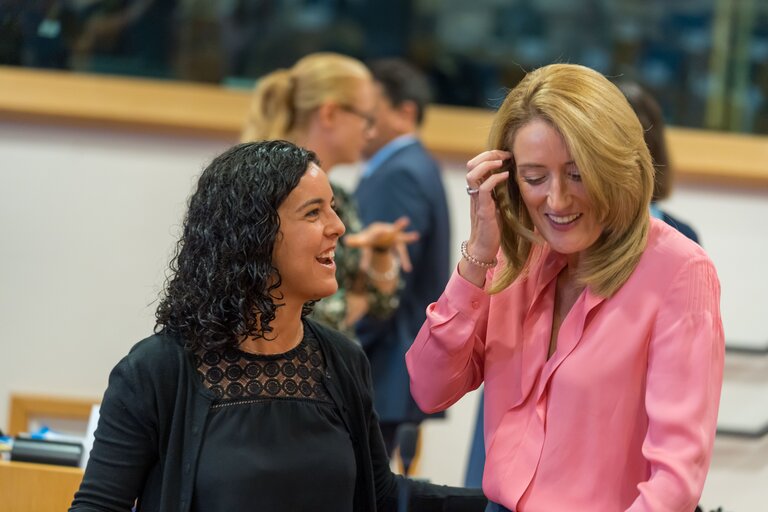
(621, 417)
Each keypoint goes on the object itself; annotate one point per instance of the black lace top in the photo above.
(273, 439)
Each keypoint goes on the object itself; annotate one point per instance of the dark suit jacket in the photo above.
(407, 183)
(680, 226)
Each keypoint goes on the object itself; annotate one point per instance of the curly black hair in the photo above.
(222, 283)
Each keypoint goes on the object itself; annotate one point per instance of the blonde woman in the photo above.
(325, 103)
(598, 333)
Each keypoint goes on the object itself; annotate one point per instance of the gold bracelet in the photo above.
(482, 264)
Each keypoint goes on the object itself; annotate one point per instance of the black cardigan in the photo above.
(153, 414)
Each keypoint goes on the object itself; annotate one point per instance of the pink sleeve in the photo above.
(446, 359)
(684, 377)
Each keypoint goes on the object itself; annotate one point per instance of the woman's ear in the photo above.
(327, 113)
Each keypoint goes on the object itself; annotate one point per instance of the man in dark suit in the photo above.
(401, 178)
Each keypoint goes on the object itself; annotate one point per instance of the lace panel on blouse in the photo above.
(236, 376)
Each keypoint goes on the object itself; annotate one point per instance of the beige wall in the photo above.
(87, 223)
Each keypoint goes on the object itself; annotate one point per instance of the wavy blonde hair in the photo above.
(283, 100)
(605, 140)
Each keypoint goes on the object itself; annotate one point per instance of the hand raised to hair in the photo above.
(384, 235)
(484, 238)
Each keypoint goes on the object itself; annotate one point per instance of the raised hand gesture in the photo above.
(380, 236)
(480, 250)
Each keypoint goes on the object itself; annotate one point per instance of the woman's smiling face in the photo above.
(551, 188)
(309, 230)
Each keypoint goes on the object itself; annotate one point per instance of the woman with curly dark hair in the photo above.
(239, 401)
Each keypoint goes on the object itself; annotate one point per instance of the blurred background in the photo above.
(705, 60)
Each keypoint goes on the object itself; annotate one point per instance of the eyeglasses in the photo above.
(369, 119)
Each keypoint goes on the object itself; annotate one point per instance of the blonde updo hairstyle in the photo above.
(284, 100)
(605, 140)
